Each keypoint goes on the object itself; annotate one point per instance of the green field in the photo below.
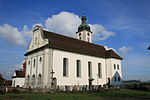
(107, 95)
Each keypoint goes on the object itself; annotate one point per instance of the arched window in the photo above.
(34, 63)
(29, 62)
(90, 69)
(78, 67)
(33, 80)
(65, 67)
(117, 66)
(118, 78)
(114, 66)
(99, 70)
(79, 34)
(40, 59)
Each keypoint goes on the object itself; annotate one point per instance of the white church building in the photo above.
(55, 59)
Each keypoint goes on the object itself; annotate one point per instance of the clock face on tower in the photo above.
(88, 34)
(79, 34)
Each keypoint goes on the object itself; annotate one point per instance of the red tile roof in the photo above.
(19, 74)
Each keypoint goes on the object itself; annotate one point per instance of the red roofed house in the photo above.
(18, 77)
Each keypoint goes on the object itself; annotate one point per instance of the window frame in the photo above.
(34, 62)
(119, 79)
(78, 68)
(90, 69)
(115, 66)
(65, 67)
(115, 78)
(99, 70)
(118, 66)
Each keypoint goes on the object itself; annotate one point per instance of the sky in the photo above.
(121, 25)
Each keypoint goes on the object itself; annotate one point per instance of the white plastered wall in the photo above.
(84, 36)
(18, 82)
(72, 79)
(111, 72)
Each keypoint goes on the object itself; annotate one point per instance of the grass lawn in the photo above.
(107, 95)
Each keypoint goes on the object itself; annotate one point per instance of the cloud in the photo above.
(13, 36)
(67, 24)
(123, 50)
(64, 22)
(100, 33)
(26, 32)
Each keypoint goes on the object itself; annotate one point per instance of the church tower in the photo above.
(84, 32)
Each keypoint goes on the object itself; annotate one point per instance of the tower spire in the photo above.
(84, 33)
(83, 19)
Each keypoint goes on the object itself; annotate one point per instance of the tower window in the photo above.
(117, 66)
(88, 34)
(114, 66)
(78, 68)
(65, 67)
(115, 78)
(79, 34)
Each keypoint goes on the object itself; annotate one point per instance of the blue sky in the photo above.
(119, 24)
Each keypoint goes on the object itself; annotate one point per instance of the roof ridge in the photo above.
(72, 38)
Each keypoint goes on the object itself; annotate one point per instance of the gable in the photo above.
(38, 39)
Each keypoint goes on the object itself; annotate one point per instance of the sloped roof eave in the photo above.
(65, 43)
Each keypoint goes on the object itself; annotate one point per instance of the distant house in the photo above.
(4, 82)
(18, 78)
(1, 80)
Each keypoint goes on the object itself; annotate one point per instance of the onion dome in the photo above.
(84, 25)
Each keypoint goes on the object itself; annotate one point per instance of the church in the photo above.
(55, 59)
